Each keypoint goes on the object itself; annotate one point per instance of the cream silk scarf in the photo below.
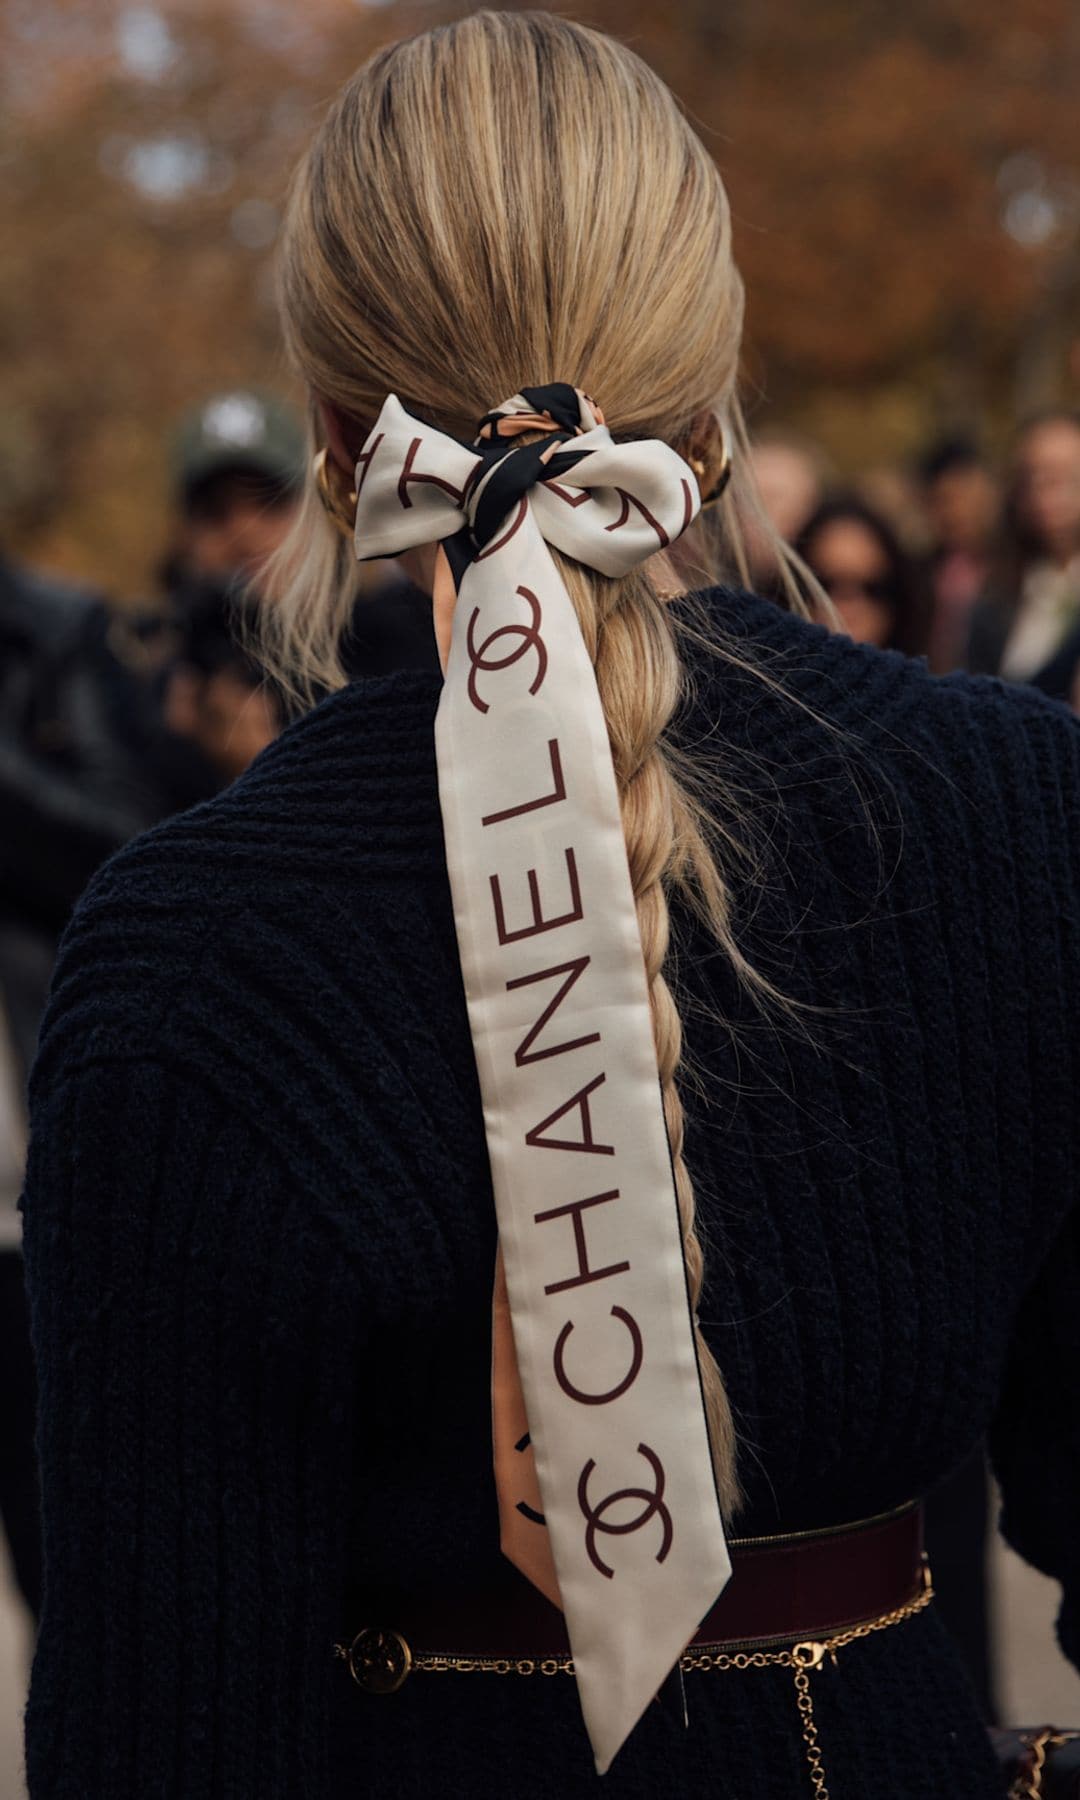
(606, 1491)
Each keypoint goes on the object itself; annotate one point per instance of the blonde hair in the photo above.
(514, 199)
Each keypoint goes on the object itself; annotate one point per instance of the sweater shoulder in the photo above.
(348, 790)
(773, 664)
(350, 783)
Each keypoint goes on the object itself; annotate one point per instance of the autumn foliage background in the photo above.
(905, 181)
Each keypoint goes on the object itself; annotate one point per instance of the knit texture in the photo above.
(260, 1239)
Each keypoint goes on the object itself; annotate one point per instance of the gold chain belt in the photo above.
(380, 1660)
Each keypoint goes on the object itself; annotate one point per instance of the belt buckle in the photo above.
(379, 1660)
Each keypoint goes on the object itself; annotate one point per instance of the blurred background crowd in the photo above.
(906, 193)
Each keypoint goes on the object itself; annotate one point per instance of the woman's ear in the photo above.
(708, 453)
(337, 433)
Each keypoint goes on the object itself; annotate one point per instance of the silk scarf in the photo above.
(606, 1491)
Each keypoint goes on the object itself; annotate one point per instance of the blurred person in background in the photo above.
(869, 577)
(960, 497)
(1025, 627)
(238, 464)
(789, 472)
(71, 793)
(217, 699)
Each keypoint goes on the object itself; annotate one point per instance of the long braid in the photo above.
(632, 641)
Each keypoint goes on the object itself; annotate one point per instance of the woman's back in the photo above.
(260, 1180)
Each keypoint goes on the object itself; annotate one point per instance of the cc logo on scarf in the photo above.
(528, 637)
(654, 1508)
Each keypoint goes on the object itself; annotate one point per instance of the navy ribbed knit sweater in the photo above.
(259, 1238)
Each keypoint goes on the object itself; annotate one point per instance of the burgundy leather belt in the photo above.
(806, 1585)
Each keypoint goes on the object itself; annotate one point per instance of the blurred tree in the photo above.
(906, 189)
(142, 196)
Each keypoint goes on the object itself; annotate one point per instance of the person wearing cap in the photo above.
(531, 1186)
(237, 462)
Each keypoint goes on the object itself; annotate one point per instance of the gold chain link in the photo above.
(805, 1703)
(1029, 1786)
(493, 1665)
(802, 1659)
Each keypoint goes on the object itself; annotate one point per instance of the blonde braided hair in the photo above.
(632, 641)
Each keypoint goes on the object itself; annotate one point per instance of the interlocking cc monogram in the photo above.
(528, 637)
(652, 1507)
